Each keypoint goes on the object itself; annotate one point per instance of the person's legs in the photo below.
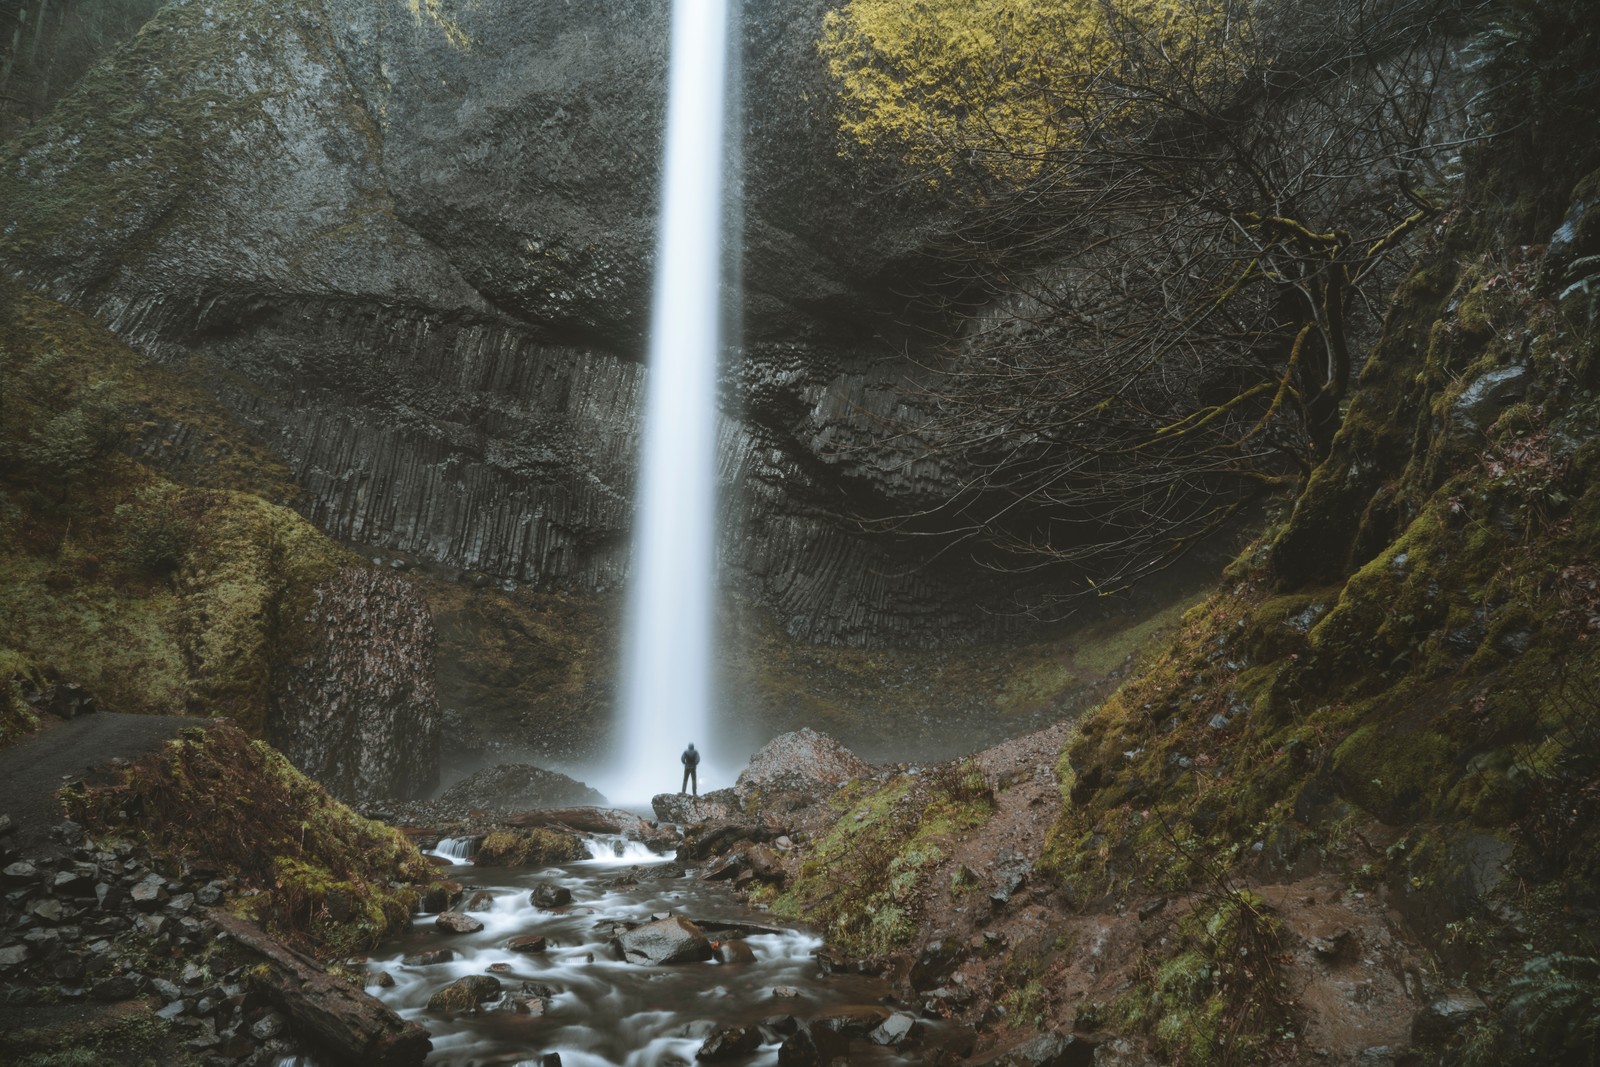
(694, 779)
(684, 788)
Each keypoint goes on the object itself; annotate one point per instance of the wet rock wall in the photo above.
(411, 250)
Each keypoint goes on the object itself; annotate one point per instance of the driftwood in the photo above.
(340, 1022)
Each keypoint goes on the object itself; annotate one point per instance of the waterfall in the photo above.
(667, 657)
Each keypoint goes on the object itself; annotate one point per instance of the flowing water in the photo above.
(599, 1010)
(667, 659)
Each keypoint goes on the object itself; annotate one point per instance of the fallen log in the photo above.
(339, 1022)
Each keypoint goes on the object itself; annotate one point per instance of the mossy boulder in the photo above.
(243, 807)
(465, 994)
(539, 847)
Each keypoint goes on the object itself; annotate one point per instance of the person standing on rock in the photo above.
(690, 760)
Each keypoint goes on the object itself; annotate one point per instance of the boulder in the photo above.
(795, 770)
(441, 896)
(527, 943)
(455, 922)
(734, 952)
(665, 941)
(813, 1046)
(465, 994)
(729, 1043)
(549, 895)
(429, 958)
(715, 838)
(894, 1030)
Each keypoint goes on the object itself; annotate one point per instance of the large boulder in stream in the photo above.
(464, 994)
(665, 941)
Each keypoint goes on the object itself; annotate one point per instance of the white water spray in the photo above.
(667, 659)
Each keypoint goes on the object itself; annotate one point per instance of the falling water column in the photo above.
(667, 658)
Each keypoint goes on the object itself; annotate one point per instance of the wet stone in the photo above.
(894, 1030)
(465, 994)
(527, 943)
(546, 895)
(812, 1046)
(383, 980)
(429, 958)
(729, 1042)
(268, 1026)
(665, 941)
(734, 952)
(457, 923)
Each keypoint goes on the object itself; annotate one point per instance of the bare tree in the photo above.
(1182, 289)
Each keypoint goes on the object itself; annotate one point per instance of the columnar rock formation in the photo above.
(411, 247)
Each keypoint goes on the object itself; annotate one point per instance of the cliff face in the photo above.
(411, 245)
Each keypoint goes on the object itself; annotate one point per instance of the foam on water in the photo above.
(606, 1011)
(455, 849)
(611, 850)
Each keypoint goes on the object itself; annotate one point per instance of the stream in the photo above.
(593, 1009)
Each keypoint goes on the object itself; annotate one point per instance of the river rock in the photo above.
(480, 901)
(665, 941)
(894, 1030)
(812, 1046)
(465, 994)
(854, 1022)
(737, 951)
(442, 896)
(428, 958)
(527, 943)
(729, 1043)
(549, 895)
(457, 923)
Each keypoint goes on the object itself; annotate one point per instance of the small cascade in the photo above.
(456, 849)
(605, 849)
(575, 996)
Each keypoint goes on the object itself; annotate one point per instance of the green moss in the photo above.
(538, 847)
(136, 1038)
(865, 881)
(1393, 771)
(319, 870)
(156, 597)
(1216, 996)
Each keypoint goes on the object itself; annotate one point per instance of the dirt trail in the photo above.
(33, 769)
